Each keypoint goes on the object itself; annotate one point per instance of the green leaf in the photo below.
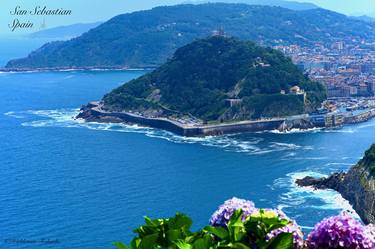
(173, 235)
(135, 243)
(239, 245)
(220, 232)
(236, 227)
(282, 241)
(183, 245)
(120, 245)
(179, 221)
(149, 241)
(236, 218)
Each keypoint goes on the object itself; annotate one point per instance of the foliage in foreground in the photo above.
(238, 224)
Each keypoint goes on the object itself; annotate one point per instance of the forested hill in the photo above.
(64, 32)
(203, 75)
(148, 38)
(293, 5)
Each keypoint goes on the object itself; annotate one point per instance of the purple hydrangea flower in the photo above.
(292, 227)
(225, 211)
(370, 230)
(341, 231)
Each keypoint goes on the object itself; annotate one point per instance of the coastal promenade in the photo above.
(93, 112)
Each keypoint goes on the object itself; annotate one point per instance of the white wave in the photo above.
(342, 130)
(14, 115)
(227, 143)
(285, 145)
(294, 130)
(249, 145)
(65, 118)
(346, 129)
(20, 72)
(338, 164)
(295, 195)
(291, 154)
(305, 158)
(289, 146)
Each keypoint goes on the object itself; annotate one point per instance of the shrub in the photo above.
(238, 224)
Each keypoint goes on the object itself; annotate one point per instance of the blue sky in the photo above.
(84, 11)
(353, 7)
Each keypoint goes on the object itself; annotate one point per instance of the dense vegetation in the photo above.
(200, 77)
(293, 5)
(174, 233)
(238, 224)
(149, 38)
(65, 32)
(369, 160)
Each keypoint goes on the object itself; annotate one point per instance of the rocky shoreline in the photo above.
(357, 186)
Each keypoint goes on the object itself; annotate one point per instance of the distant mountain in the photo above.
(149, 38)
(202, 75)
(369, 14)
(277, 3)
(65, 32)
(364, 18)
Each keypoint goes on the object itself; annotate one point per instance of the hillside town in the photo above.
(347, 69)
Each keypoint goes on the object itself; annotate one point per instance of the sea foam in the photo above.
(296, 195)
(252, 145)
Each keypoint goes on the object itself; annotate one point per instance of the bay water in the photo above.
(86, 185)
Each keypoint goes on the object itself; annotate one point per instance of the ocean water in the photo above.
(17, 46)
(87, 184)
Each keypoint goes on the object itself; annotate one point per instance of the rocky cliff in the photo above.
(357, 185)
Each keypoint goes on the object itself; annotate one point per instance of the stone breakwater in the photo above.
(356, 186)
(93, 112)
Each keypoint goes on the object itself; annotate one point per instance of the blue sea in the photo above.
(86, 185)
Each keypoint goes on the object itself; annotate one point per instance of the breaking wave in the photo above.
(295, 196)
(254, 145)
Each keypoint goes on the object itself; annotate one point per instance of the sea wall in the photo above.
(359, 118)
(241, 127)
(91, 113)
